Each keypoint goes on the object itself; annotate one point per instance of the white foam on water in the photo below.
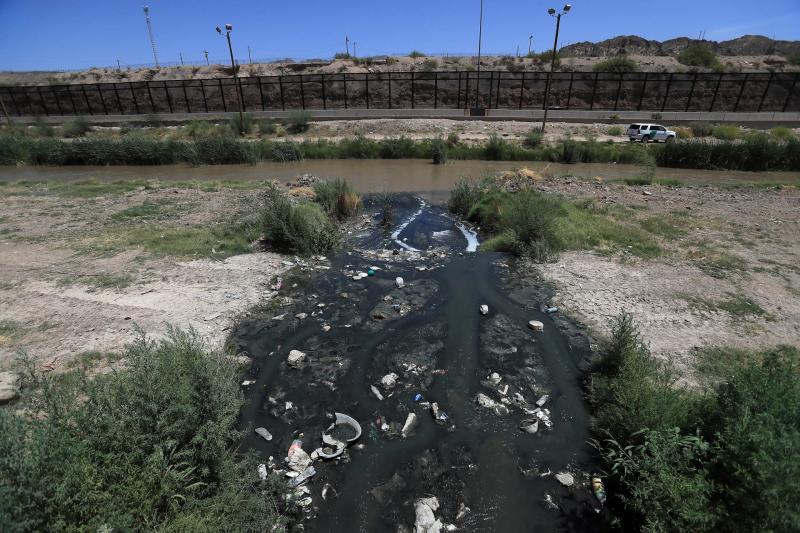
(470, 235)
(441, 234)
(404, 225)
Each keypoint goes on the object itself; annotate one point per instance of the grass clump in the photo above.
(299, 121)
(620, 63)
(615, 131)
(439, 151)
(533, 138)
(77, 127)
(735, 305)
(241, 124)
(782, 133)
(297, 227)
(337, 198)
(726, 132)
(149, 447)
(701, 129)
(692, 459)
(267, 126)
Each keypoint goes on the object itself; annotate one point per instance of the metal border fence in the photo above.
(599, 91)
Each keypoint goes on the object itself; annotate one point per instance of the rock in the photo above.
(241, 360)
(494, 379)
(485, 401)
(426, 521)
(399, 282)
(9, 386)
(264, 434)
(389, 381)
(376, 392)
(326, 328)
(295, 359)
(301, 316)
(297, 459)
(565, 478)
(535, 325)
(484, 309)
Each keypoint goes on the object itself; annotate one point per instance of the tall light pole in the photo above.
(530, 43)
(480, 38)
(552, 12)
(150, 33)
(228, 30)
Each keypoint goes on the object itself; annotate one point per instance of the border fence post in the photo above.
(390, 88)
(366, 87)
(119, 102)
(14, 102)
(789, 94)
(716, 91)
(102, 100)
(186, 97)
(619, 90)
(169, 99)
(86, 98)
(133, 96)
(260, 93)
(344, 81)
(322, 82)
(412, 89)
(57, 99)
(280, 84)
(458, 94)
(691, 93)
(435, 89)
(741, 92)
(222, 95)
(150, 94)
(521, 89)
(641, 96)
(666, 93)
(497, 91)
(41, 100)
(569, 91)
(766, 90)
(302, 93)
(594, 91)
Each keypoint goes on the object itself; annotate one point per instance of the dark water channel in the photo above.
(431, 335)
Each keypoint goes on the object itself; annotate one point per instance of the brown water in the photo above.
(382, 175)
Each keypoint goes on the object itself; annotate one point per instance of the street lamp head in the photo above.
(229, 27)
(146, 9)
(551, 11)
(567, 7)
(219, 30)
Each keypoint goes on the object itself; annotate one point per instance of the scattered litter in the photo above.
(551, 504)
(565, 478)
(301, 316)
(297, 459)
(277, 285)
(426, 521)
(376, 392)
(529, 425)
(307, 473)
(484, 309)
(535, 325)
(544, 416)
(417, 397)
(598, 489)
(551, 310)
(262, 472)
(543, 400)
(501, 410)
(485, 401)
(389, 381)
(438, 414)
(264, 434)
(503, 390)
(326, 327)
(248, 382)
(279, 317)
(370, 272)
(399, 282)
(462, 511)
(494, 379)
(326, 489)
(411, 422)
(295, 359)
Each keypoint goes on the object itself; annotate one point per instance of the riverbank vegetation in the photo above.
(754, 152)
(536, 225)
(718, 457)
(148, 447)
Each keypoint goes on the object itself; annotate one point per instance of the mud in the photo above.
(425, 349)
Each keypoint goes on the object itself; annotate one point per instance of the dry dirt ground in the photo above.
(66, 295)
(729, 274)
(755, 63)
(78, 273)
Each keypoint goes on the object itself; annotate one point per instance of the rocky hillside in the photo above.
(747, 45)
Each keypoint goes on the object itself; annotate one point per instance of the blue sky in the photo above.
(53, 34)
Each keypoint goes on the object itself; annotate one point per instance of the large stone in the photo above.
(389, 381)
(484, 309)
(295, 359)
(9, 386)
(426, 521)
(485, 401)
(565, 478)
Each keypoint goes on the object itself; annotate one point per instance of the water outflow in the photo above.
(380, 353)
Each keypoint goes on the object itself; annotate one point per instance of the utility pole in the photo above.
(150, 33)
(530, 43)
(517, 50)
(354, 49)
(228, 30)
(205, 53)
(480, 38)
(552, 13)
(181, 55)
(347, 44)
(249, 57)
(119, 67)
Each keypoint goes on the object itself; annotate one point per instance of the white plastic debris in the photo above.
(484, 309)
(411, 421)
(543, 400)
(376, 392)
(262, 472)
(565, 478)
(389, 381)
(264, 434)
(485, 401)
(399, 282)
(535, 325)
(301, 316)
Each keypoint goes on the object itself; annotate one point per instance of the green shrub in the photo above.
(620, 63)
(793, 59)
(242, 125)
(360, 147)
(702, 129)
(342, 55)
(782, 132)
(43, 129)
(464, 195)
(529, 218)
(699, 55)
(533, 138)
(267, 126)
(299, 121)
(198, 129)
(286, 151)
(615, 131)
(439, 151)
(337, 198)
(77, 127)
(429, 65)
(415, 54)
(302, 228)
(496, 148)
(148, 447)
(726, 132)
(453, 138)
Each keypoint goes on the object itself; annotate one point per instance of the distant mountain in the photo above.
(747, 45)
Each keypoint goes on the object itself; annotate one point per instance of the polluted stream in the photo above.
(432, 410)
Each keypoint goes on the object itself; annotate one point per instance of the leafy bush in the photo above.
(77, 127)
(415, 54)
(782, 132)
(286, 151)
(533, 138)
(726, 132)
(429, 65)
(615, 131)
(620, 63)
(299, 121)
(242, 125)
(43, 129)
(302, 228)
(464, 195)
(699, 55)
(148, 447)
(439, 151)
(267, 126)
(702, 129)
(793, 59)
(496, 148)
(683, 133)
(342, 55)
(337, 198)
